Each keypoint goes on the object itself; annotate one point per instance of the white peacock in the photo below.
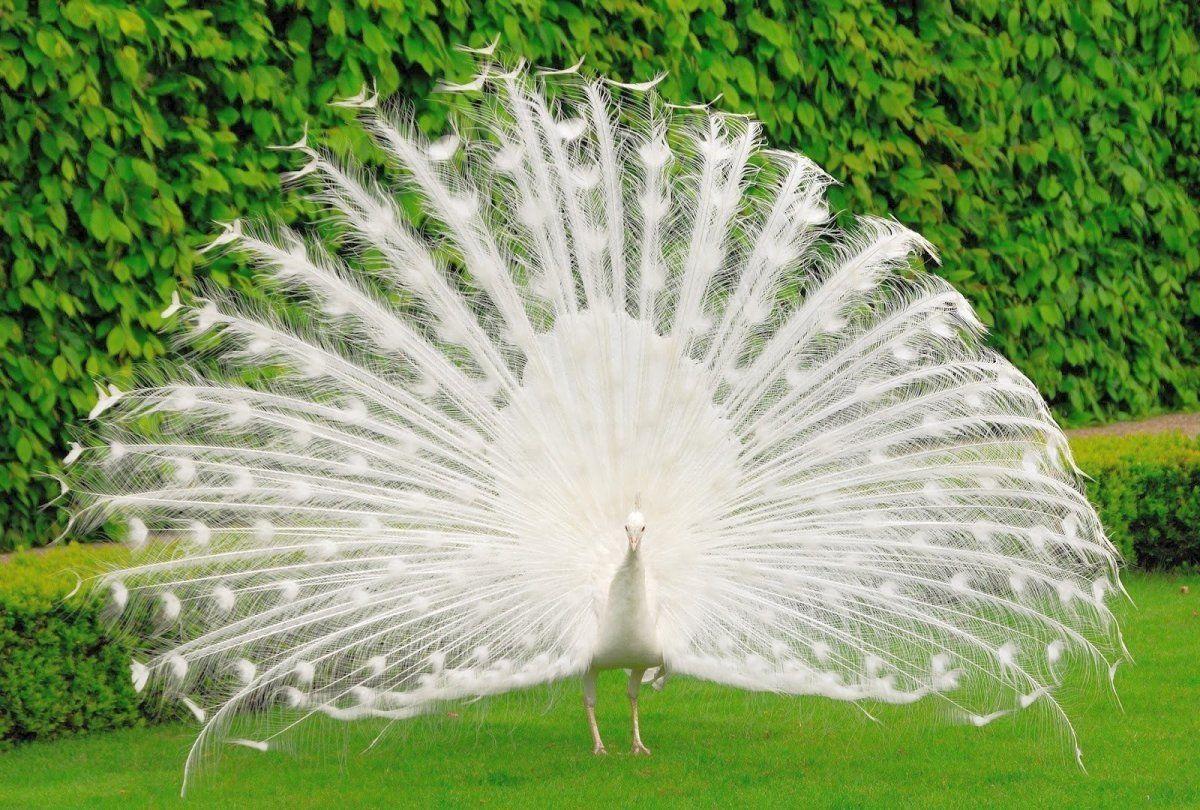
(592, 382)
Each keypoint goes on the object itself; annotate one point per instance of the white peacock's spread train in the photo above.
(403, 477)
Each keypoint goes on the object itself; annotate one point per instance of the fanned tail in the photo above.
(401, 480)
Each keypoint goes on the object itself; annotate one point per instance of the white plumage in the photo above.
(407, 478)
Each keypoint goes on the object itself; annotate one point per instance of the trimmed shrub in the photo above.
(61, 671)
(1147, 491)
(1048, 148)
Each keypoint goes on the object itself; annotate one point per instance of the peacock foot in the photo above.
(640, 750)
(599, 749)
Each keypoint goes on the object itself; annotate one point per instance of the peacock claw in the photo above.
(640, 750)
(599, 749)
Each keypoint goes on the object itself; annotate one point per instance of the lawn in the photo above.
(712, 746)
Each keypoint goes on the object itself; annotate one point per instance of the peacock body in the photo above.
(591, 382)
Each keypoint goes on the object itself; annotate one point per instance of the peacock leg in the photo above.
(589, 704)
(635, 684)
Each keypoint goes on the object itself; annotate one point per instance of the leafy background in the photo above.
(1048, 148)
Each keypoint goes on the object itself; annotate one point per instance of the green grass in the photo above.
(712, 746)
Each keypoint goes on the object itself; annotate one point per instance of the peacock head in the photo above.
(635, 527)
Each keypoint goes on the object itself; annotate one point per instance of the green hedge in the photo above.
(1147, 490)
(61, 671)
(1049, 148)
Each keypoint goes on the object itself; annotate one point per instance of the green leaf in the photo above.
(130, 23)
(128, 64)
(337, 21)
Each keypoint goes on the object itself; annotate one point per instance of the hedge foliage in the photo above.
(1147, 491)
(60, 669)
(1047, 147)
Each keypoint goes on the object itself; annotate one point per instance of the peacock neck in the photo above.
(629, 582)
(633, 562)
(628, 637)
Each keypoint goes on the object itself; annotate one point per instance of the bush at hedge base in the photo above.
(61, 670)
(1049, 148)
(1147, 491)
